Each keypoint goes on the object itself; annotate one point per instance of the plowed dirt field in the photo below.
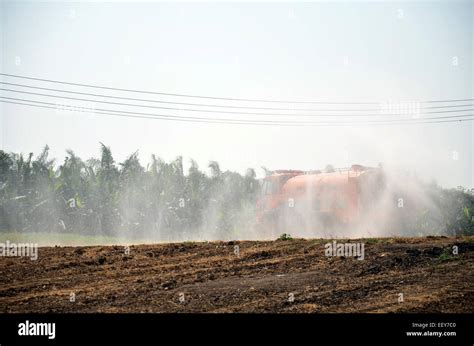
(396, 275)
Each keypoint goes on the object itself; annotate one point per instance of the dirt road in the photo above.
(396, 275)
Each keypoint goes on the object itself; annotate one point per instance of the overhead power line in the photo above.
(229, 112)
(39, 104)
(220, 106)
(193, 104)
(212, 97)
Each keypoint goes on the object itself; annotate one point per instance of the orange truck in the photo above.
(301, 202)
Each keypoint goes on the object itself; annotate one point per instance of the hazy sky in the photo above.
(354, 51)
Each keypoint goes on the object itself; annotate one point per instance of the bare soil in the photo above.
(265, 276)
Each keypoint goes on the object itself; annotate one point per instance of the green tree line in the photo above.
(102, 197)
(161, 201)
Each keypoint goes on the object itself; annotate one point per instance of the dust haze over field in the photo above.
(254, 63)
(128, 203)
(402, 205)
